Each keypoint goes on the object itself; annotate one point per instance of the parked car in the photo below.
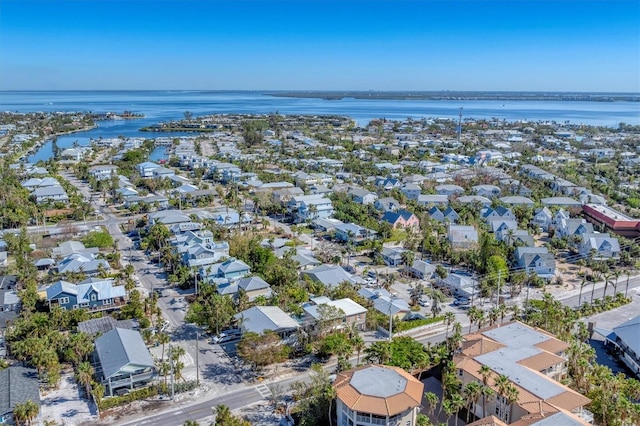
(226, 338)
(424, 303)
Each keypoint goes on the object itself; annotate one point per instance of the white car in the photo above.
(424, 303)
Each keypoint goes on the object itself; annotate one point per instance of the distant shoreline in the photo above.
(465, 96)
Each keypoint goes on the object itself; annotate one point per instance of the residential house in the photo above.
(362, 196)
(101, 325)
(390, 305)
(85, 263)
(518, 237)
(401, 218)
(310, 207)
(233, 268)
(449, 190)
(462, 237)
(157, 202)
(331, 275)
(102, 172)
(489, 191)
(625, 338)
(145, 170)
(543, 218)
(284, 195)
(350, 232)
(534, 362)
(377, 395)
(604, 246)
(67, 248)
(349, 314)
(326, 225)
(502, 225)
(432, 200)
(254, 287)
(535, 259)
(499, 212)
(90, 295)
(461, 284)
(422, 270)
(17, 386)
(388, 183)
(74, 154)
(411, 191)
(574, 227)
(392, 256)
(266, 318)
(387, 204)
(303, 257)
(50, 194)
(471, 199)
(123, 361)
(448, 215)
(560, 202)
(517, 200)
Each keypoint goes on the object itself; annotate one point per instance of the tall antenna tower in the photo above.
(460, 125)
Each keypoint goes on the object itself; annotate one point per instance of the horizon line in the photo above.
(324, 91)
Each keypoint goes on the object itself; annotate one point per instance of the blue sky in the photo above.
(544, 45)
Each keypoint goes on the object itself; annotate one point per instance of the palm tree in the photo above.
(26, 412)
(485, 373)
(472, 391)
(515, 311)
(511, 396)
(84, 376)
(97, 391)
(502, 384)
(582, 284)
(163, 338)
(358, 344)
(449, 317)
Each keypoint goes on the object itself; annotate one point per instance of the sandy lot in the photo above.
(67, 405)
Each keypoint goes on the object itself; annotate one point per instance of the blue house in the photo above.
(93, 295)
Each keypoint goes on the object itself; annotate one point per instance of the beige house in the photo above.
(528, 361)
(377, 395)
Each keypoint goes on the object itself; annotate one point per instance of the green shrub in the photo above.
(134, 395)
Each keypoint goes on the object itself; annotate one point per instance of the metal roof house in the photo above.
(92, 295)
(123, 360)
(625, 338)
(266, 318)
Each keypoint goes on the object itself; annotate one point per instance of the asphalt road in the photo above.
(174, 308)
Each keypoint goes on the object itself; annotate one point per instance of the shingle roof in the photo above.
(18, 385)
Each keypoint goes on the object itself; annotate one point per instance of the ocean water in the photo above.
(160, 106)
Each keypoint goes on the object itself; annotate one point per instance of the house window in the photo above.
(84, 305)
(63, 300)
(107, 302)
(93, 297)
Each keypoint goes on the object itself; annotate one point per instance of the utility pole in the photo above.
(460, 125)
(197, 364)
(195, 276)
(171, 364)
(498, 289)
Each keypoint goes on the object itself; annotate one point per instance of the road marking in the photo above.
(264, 391)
